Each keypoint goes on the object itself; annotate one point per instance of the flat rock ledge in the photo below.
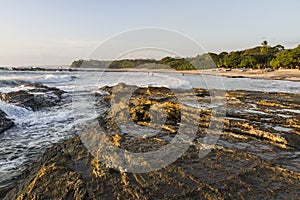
(68, 171)
(249, 161)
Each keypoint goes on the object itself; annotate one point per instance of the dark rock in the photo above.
(39, 97)
(5, 123)
(249, 161)
(223, 174)
(36, 69)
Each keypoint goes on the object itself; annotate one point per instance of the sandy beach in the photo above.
(284, 74)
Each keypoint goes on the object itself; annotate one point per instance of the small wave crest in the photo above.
(55, 79)
(50, 78)
(13, 82)
(16, 113)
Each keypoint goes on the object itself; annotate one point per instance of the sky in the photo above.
(56, 32)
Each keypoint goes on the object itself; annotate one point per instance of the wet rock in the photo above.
(36, 69)
(38, 97)
(5, 123)
(223, 174)
(254, 157)
(265, 115)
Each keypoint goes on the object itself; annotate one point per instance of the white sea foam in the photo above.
(280, 128)
(35, 131)
(14, 89)
(291, 110)
(54, 79)
(14, 83)
(144, 80)
(16, 113)
(34, 78)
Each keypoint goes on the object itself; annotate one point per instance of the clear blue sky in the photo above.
(58, 31)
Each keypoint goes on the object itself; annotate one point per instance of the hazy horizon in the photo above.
(59, 32)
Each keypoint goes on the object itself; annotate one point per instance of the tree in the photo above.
(248, 61)
(233, 59)
(177, 63)
(265, 51)
(283, 59)
(264, 43)
(256, 57)
(77, 63)
(205, 61)
(214, 57)
(279, 47)
(289, 58)
(222, 56)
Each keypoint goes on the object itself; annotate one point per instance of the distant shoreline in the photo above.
(282, 74)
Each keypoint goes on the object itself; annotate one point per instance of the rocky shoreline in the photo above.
(36, 97)
(282, 74)
(36, 69)
(257, 154)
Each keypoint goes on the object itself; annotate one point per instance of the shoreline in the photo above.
(68, 169)
(282, 74)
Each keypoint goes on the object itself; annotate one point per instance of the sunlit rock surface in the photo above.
(256, 157)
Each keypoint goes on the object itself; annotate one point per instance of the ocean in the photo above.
(35, 131)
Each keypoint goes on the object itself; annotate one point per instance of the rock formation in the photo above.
(36, 98)
(256, 156)
(5, 123)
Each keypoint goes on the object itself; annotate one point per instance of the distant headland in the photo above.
(259, 57)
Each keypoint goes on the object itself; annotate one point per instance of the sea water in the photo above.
(34, 132)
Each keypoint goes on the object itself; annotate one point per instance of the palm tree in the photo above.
(264, 43)
(265, 52)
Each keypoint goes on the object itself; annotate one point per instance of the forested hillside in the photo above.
(259, 57)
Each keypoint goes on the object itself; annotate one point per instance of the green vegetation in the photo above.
(89, 64)
(119, 64)
(259, 57)
(288, 58)
(177, 63)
